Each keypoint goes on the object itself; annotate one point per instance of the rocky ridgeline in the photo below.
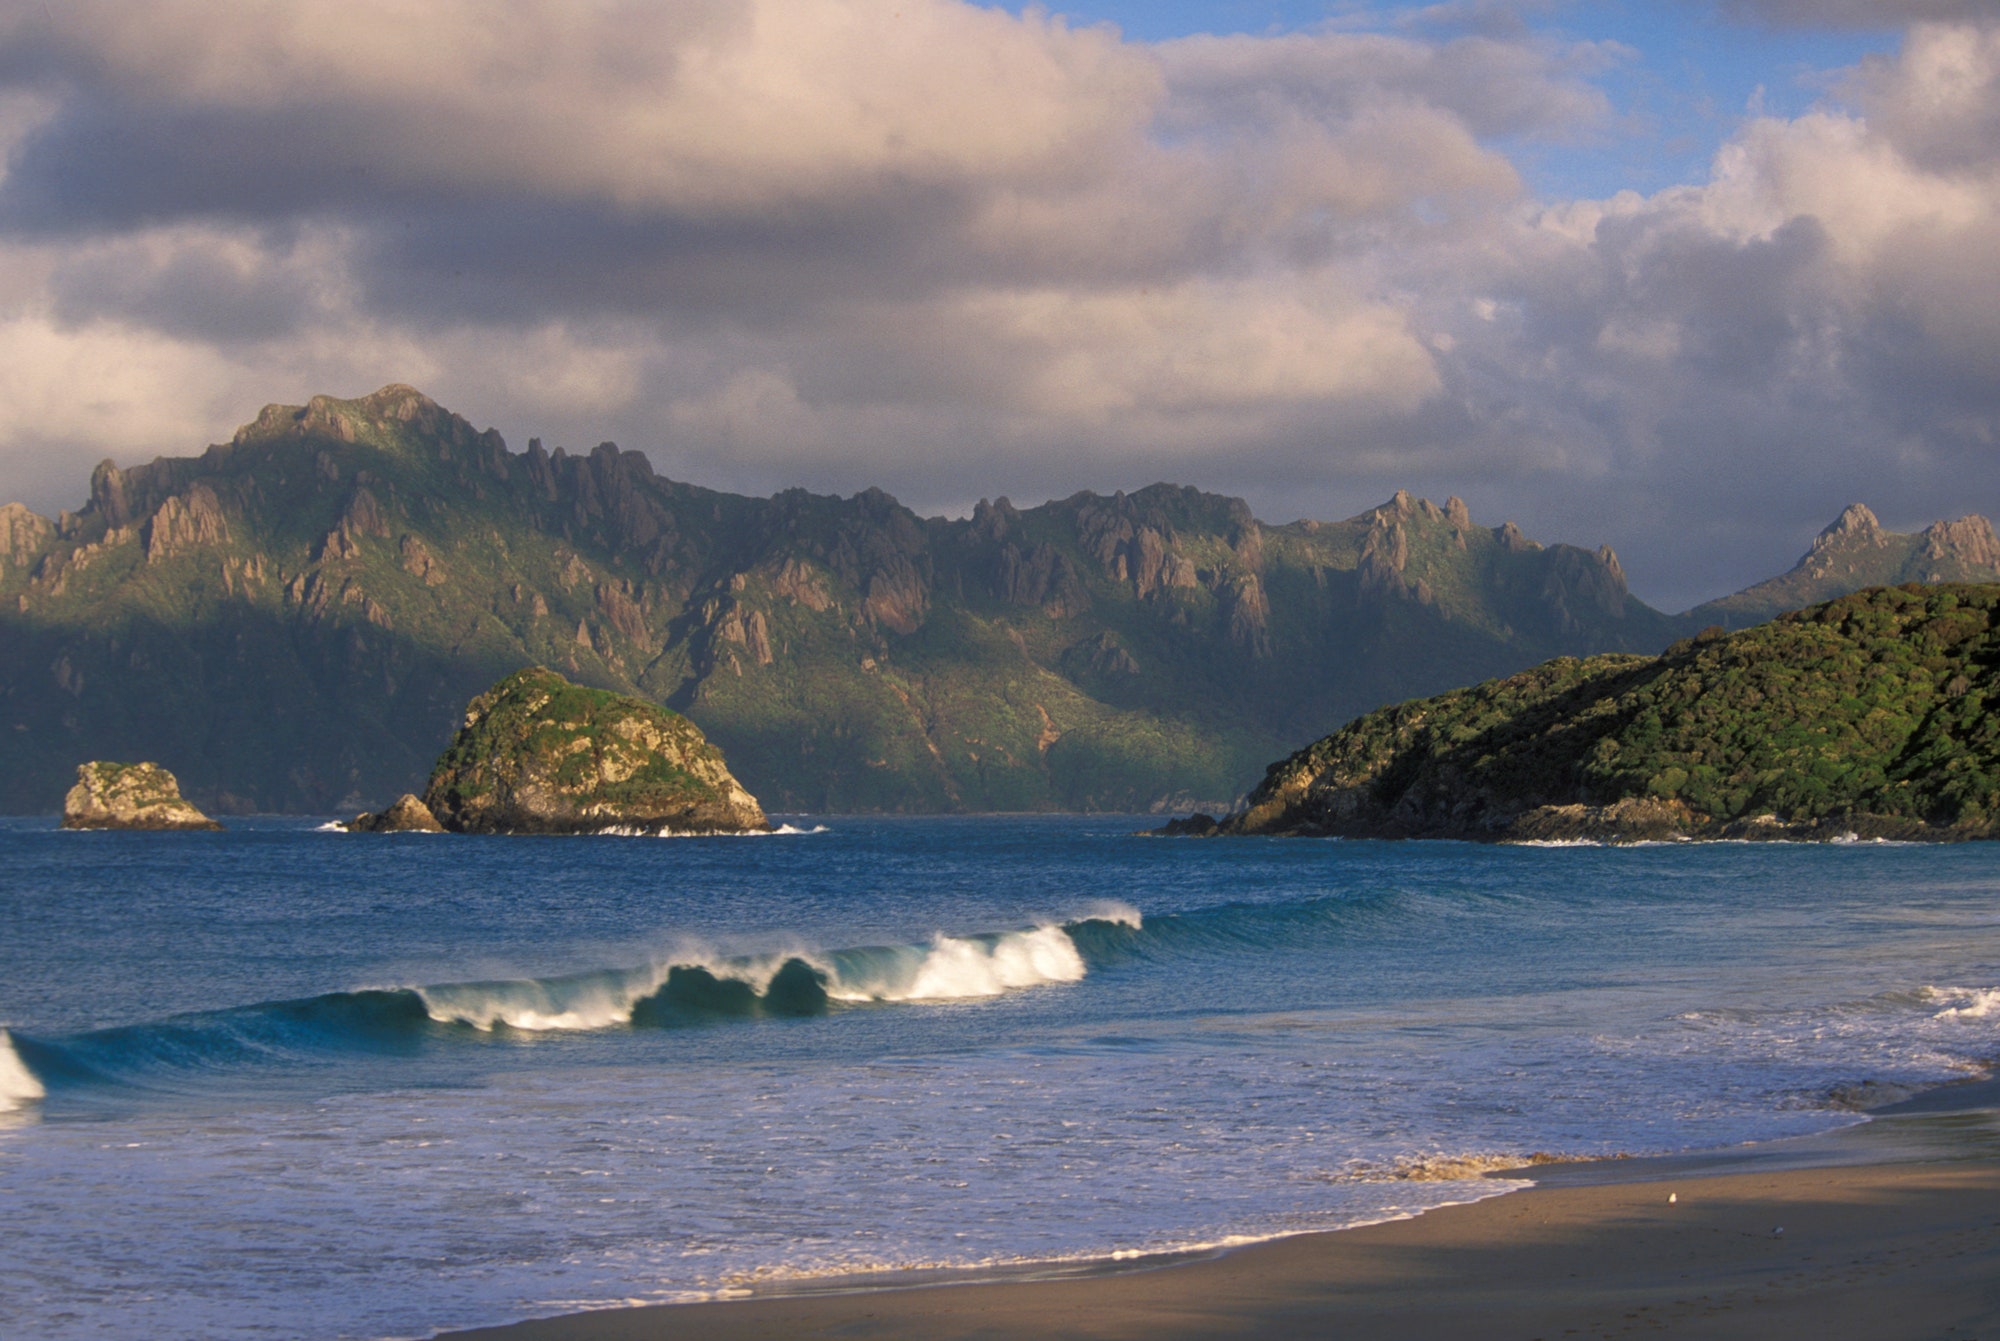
(1856, 552)
(319, 596)
(322, 593)
(540, 755)
(129, 796)
(1871, 716)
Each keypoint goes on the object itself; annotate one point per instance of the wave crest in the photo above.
(1962, 1003)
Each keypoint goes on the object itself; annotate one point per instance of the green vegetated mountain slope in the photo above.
(1872, 714)
(294, 619)
(1855, 552)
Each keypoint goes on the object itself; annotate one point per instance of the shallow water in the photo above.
(285, 1082)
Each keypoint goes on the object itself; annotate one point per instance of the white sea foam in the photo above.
(1963, 1003)
(537, 1006)
(1114, 911)
(949, 968)
(639, 831)
(331, 826)
(959, 968)
(18, 1086)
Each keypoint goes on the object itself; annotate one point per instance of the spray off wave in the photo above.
(18, 1086)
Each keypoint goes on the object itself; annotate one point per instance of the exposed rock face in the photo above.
(23, 534)
(538, 754)
(185, 522)
(128, 796)
(407, 815)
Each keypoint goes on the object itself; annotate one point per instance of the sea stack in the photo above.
(128, 796)
(538, 754)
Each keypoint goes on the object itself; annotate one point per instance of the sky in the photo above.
(1684, 277)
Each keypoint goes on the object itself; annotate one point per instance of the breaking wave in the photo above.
(689, 990)
(1962, 1003)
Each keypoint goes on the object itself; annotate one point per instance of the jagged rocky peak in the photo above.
(1403, 506)
(1400, 507)
(1856, 525)
(992, 521)
(129, 796)
(382, 416)
(1969, 541)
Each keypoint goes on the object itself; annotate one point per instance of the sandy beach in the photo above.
(1888, 1230)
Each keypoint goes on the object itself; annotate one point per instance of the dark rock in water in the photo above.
(1198, 825)
(407, 815)
(129, 796)
(1636, 819)
(538, 754)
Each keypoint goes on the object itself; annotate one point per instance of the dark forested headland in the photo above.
(1872, 715)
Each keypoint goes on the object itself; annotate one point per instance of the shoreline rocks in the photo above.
(110, 795)
(407, 815)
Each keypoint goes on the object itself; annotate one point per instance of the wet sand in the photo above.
(1890, 1230)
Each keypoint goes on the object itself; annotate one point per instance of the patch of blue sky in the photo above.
(1681, 78)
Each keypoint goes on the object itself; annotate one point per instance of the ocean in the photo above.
(287, 1082)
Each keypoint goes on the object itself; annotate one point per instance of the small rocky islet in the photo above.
(110, 795)
(539, 755)
(1870, 716)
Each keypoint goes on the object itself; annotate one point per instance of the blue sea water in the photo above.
(285, 1082)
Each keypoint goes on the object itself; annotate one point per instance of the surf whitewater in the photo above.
(676, 992)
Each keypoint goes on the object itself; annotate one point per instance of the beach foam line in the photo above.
(642, 831)
(18, 1085)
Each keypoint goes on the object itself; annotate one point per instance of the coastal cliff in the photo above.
(1871, 715)
(128, 796)
(538, 754)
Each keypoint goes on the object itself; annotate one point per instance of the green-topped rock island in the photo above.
(540, 755)
(111, 795)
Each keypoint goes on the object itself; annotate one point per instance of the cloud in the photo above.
(1819, 321)
(959, 252)
(1857, 13)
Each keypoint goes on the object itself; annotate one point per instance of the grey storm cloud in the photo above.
(958, 252)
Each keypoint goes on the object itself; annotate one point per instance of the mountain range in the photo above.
(293, 620)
